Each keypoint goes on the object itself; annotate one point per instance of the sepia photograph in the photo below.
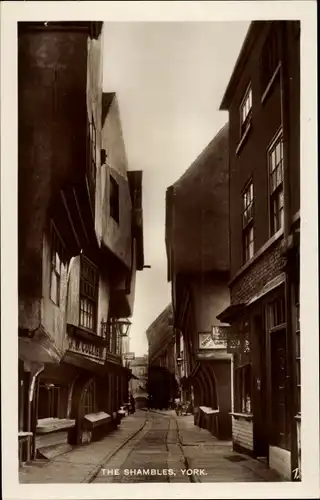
(159, 207)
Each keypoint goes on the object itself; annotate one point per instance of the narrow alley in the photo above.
(151, 446)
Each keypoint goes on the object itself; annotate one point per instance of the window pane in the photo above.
(245, 200)
(278, 153)
(281, 218)
(278, 176)
(251, 250)
(281, 199)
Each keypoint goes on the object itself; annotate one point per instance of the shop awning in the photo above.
(231, 312)
(129, 372)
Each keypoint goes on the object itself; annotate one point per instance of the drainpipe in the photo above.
(290, 341)
(72, 260)
(34, 376)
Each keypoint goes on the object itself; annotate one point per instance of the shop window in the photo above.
(270, 57)
(89, 398)
(49, 401)
(89, 289)
(246, 111)
(243, 386)
(247, 222)
(114, 199)
(56, 265)
(275, 161)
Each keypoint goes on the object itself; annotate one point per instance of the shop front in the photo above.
(260, 412)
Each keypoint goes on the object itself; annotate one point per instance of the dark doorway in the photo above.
(260, 423)
(49, 398)
(278, 387)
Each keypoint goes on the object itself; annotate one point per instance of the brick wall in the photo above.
(242, 433)
(249, 161)
(263, 270)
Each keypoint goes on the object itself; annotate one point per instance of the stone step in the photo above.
(50, 452)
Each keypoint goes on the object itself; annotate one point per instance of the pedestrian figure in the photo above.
(133, 405)
(177, 402)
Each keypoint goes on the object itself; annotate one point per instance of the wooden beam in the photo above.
(80, 215)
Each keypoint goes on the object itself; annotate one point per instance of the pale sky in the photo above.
(169, 79)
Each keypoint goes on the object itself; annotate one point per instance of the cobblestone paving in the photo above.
(168, 443)
(147, 451)
(151, 447)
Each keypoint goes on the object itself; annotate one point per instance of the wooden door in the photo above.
(260, 388)
(278, 388)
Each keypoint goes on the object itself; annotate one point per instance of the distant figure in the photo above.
(178, 407)
(133, 404)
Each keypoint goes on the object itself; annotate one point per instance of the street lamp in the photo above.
(119, 328)
(123, 326)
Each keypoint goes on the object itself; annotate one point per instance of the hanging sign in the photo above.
(239, 340)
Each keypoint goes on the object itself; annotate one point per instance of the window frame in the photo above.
(55, 270)
(277, 313)
(246, 121)
(276, 218)
(247, 224)
(88, 298)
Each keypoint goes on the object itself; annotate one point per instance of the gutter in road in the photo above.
(93, 474)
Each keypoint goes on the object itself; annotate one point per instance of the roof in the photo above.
(249, 41)
(107, 98)
(197, 212)
(160, 332)
(164, 319)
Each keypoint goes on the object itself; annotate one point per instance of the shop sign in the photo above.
(129, 356)
(216, 339)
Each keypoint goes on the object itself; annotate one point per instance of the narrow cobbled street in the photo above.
(172, 449)
(151, 446)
